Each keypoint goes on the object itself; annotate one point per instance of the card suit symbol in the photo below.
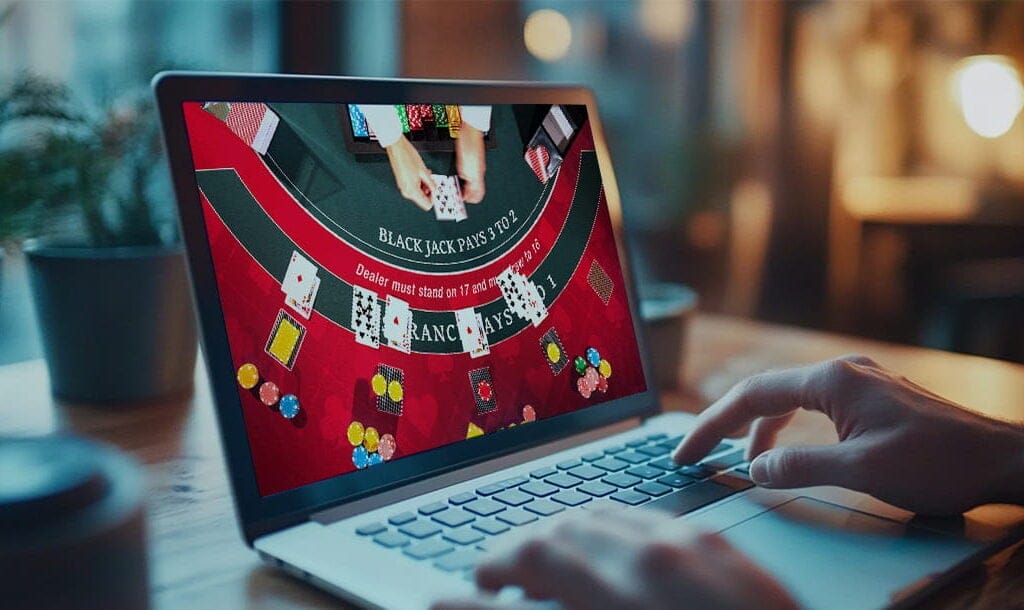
(298, 278)
(469, 330)
(395, 321)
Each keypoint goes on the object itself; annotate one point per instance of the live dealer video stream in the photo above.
(364, 328)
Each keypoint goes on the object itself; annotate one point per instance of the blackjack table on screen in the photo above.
(309, 195)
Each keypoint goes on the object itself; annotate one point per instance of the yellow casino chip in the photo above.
(248, 376)
(605, 368)
(356, 433)
(379, 384)
(395, 391)
(370, 439)
(554, 353)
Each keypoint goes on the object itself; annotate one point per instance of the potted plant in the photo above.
(106, 269)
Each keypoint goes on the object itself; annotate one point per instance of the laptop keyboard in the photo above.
(453, 534)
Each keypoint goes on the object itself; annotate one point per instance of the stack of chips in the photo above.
(370, 447)
(248, 377)
(593, 373)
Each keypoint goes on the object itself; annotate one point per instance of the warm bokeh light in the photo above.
(990, 94)
(666, 22)
(547, 34)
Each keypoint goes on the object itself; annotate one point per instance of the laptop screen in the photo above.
(396, 278)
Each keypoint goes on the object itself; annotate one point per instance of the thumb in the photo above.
(787, 467)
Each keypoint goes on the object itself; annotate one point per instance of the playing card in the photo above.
(536, 311)
(366, 316)
(512, 290)
(553, 351)
(304, 305)
(447, 199)
(397, 324)
(299, 277)
(483, 390)
(390, 399)
(471, 331)
(253, 122)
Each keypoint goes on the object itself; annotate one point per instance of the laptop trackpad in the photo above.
(832, 557)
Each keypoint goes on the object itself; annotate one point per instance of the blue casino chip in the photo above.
(375, 459)
(593, 357)
(360, 458)
(289, 406)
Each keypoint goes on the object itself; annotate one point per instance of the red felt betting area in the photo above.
(331, 372)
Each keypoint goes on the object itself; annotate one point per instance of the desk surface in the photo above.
(197, 555)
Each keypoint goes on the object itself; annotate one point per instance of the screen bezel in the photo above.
(260, 515)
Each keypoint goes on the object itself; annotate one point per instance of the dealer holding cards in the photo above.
(412, 177)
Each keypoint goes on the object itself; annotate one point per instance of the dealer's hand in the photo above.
(635, 559)
(897, 441)
(471, 163)
(411, 176)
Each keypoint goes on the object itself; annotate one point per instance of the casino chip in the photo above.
(248, 376)
(579, 364)
(386, 446)
(391, 394)
(360, 457)
(375, 459)
(289, 406)
(583, 387)
(591, 376)
(593, 356)
(379, 384)
(554, 351)
(371, 439)
(529, 413)
(269, 393)
(602, 384)
(483, 390)
(605, 368)
(355, 433)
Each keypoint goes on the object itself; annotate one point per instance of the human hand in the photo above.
(411, 176)
(627, 559)
(471, 163)
(897, 441)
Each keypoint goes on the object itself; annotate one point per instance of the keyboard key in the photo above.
(614, 449)
(463, 559)
(638, 442)
(391, 540)
(538, 488)
(489, 490)
(371, 529)
(628, 496)
(462, 498)
(675, 440)
(611, 464)
(726, 461)
(652, 450)
(602, 503)
(587, 472)
(517, 516)
(656, 436)
(513, 497)
(632, 457)
(453, 517)
(622, 479)
(676, 479)
(513, 482)
(645, 472)
(544, 507)
(428, 549)
(540, 473)
(485, 507)
(597, 488)
(592, 457)
(463, 536)
(653, 489)
(667, 448)
(567, 464)
(571, 497)
(402, 518)
(720, 447)
(420, 529)
(689, 499)
(490, 526)
(697, 471)
(433, 507)
(665, 463)
(563, 480)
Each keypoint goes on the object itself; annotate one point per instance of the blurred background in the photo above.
(851, 166)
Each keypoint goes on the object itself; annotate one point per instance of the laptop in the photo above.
(423, 342)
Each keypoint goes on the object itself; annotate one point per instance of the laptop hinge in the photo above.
(419, 488)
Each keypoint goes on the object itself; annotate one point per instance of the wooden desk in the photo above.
(198, 559)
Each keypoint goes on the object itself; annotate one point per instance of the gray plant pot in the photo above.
(116, 323)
